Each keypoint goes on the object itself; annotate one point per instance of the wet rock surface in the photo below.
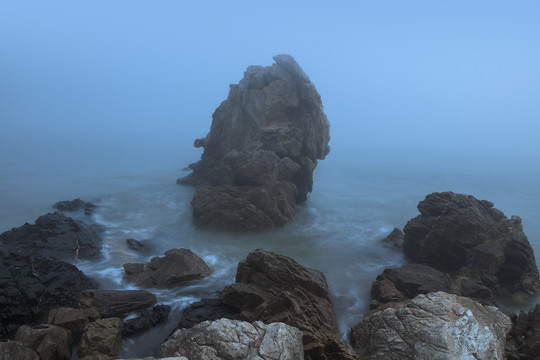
(146, 319)
(437, 325)
(56, 236)
(232, 339)
(261, 150)
(469, 238)
(113, 303)
(31, 285)
(175, 268)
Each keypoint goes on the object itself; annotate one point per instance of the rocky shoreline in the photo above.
(258, 163)
(49, 308)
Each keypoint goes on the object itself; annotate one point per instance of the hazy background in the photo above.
(95, 87)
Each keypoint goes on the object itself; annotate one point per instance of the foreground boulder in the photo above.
(15, 350)
(261, 150)
(433, 326)
(102, 339)
(113, 303)
(175, 268)
(274, 288)
(56, 236)
(459, 234)
(31, 285)
(48, 341)
(72, 319)
(232, 339)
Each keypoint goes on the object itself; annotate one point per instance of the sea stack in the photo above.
(262, 148)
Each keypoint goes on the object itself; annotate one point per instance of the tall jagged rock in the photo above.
(261, 150)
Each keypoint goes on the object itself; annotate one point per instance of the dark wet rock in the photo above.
(31, 285)
(394, 240)
(146, 319)
(523, 341)
(141, 246)
(208, 309)
(274, 288)
(459, 234)
(15, 350)
(74, 205)
(411, 280)
(113, 303)
(433, 326)
(72, 319)
(233, 339)
(49, 342)
(261, 150)
(175, 268)
(407, 282)
(56, 236)
(102, 339)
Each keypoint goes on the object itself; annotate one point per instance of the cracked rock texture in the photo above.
(523, 342)
(470, 239)
(261, 150)
(102, 339)
(231, 339)
(433, 326)
(48, 341)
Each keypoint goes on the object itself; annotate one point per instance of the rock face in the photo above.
(31, 285)
(56, 236)
(177, 267)
(113, 303)
(459, 234)
(49, 342)
(261, 150)
(394, 240)
(231, 339)
(433, 326)
(274, 288)
(72, 319)
(101, 339)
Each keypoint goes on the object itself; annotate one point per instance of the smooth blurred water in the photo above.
(355, 203)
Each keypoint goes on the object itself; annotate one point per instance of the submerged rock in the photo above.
(232, 339)
(56, 236)
(468, 237)
(261, 150)
(175, 268)
(394, 240)
(433, 326)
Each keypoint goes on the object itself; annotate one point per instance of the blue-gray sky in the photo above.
(427, 76)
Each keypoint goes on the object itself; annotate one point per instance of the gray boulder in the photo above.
(468, 237)
(433, 326)
(261, 150)
(15, 350)
(232, 339)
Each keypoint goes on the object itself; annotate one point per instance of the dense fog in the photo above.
(126, 86)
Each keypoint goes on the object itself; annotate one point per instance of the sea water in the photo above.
(355, 202)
